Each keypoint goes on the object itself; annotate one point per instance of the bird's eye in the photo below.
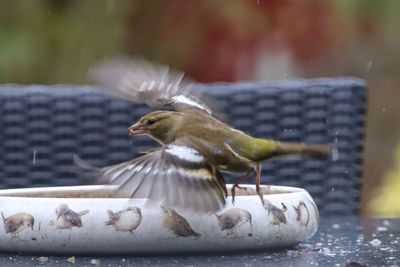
(151, 122)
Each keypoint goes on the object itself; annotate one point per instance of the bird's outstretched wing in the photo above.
(138, 80)
(175, 175)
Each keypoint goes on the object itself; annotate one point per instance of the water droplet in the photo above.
(381, 229)
(375, 242)
(34, 157)
(95, 262)
(369, 65)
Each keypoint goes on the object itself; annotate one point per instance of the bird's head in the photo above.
(28, 221)
(62, 208)
(134, 209)
(167, 211)
(248, 219)
(160, 125)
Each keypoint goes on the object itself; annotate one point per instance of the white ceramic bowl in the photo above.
(84, 219)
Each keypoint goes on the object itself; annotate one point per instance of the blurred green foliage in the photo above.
(56, 41)
(386, 200)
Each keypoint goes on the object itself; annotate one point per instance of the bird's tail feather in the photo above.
(307, 149)
(83, 212)
(195, 234)
(83, 164)
(89, 173)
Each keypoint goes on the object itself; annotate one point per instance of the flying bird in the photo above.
(196, 147)
(302, 213)
(275, 214)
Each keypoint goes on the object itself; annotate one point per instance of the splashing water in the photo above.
(369, 65)
(335, 154)
(34, 157)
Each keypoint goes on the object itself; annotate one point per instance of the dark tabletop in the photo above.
(340, 241)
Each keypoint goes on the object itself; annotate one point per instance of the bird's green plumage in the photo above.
(218, 147)
(255, 149)
(224, 147)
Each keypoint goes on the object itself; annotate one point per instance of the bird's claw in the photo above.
(261, 197)
(233, 193)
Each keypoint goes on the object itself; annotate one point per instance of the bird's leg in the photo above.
(214, 171)
(236, 185)
(258, 179)
(241, 187)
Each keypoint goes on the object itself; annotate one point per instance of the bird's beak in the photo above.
(136, 129)
(164, 209)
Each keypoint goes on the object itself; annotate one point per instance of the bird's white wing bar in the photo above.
(185, 153)
(181, 102)
(175, 175)
(137, 80)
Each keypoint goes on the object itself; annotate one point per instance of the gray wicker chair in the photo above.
(42, 126)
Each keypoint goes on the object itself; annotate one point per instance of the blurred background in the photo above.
(57, 41)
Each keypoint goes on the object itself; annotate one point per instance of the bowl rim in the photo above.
(107, 191)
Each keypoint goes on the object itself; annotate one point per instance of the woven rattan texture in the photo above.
(41, 127)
